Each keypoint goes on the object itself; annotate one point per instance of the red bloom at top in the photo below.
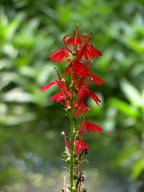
(77, 52)
(59, 54)
(88, 50)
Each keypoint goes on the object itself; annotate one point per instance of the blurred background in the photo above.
(30, 123)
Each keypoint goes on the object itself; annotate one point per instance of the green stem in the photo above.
(72, 151)
(72, 137)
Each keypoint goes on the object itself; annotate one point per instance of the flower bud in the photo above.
(63, 133)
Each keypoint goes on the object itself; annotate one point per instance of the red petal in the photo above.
(58, 97)
(54, 52)
(94, 96)
(67, 143)
(84, 67)
(68, 68)
(79, 145)
(48, 85)
(90, 53)
(97, 52)
(66, 36)
(81, 129)
(80, 69)
(92, 127)
(95, 78)
(71, 41)
(58, 56)
(82, 50)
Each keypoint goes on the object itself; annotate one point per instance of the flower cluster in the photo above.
(77, 51)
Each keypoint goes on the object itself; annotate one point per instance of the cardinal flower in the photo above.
(84, 91)
(88, 50)
(73, 90)
(59, 54)
(47, 86)
(89, 126)
(79, 145)
(63, 94)
(58, 96)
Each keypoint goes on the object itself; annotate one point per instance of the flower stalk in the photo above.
(72, 137)
(77, 52)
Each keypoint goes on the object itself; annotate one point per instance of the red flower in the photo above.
(72, 40)
(80, 145)
(58, 96)
(68, 68)
(93, 77)
(84, 91)
(88, 50)
(92, 127)
(81, 107)
(47, 86)
(89, 126)
(80, 68)
(59, 54)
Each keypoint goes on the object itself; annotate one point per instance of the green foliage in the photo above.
(30, 123)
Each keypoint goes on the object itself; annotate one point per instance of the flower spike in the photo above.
(73, 91)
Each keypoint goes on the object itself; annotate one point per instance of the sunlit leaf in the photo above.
(124, 107)
(132, 94)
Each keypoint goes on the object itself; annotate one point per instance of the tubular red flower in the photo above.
(92, 127)
(88, 50)
(89, 126)
(59, 54)
(72, 39)
(84, 91)
(68, 68)
(80, 68)
(81, 107)
(94, 50)
(80, 145)
(47, 86)
(58, 96)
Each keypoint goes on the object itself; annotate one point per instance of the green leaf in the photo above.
(132, 94)
(138, 167)
(124, 107)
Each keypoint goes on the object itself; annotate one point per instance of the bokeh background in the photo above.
(30, 123)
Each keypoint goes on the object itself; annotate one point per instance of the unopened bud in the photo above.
(63, 133)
